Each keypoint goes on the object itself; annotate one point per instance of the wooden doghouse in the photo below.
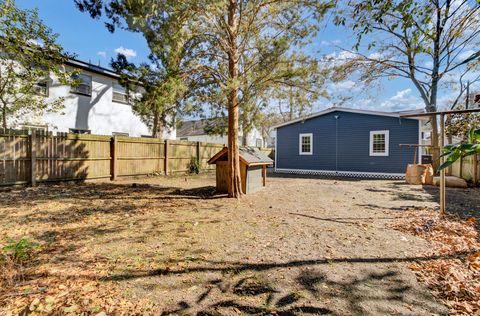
(253, 169)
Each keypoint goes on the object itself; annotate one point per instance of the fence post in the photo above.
(475, 169)
(198, 156)
(113, 157)
(33, 159)
(461, 167)
(165, 161)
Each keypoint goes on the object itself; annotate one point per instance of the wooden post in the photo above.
(165, 161)
(114, 157)
(198, 156)
(264, 174)
(461, 167)
(442, 160)
(33, 159)
(475, 169)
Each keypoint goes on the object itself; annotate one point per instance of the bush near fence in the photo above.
(43, 157)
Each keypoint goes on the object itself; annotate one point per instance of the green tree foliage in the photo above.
(460, 125)
(428, 42)
(239, 49)
(29, 57)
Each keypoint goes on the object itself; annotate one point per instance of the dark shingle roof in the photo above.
(253, 155)
(248, 155)
(191, 128)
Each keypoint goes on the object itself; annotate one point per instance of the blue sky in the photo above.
(90, 40)
(84, 36)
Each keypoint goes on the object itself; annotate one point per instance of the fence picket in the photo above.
(42, 157)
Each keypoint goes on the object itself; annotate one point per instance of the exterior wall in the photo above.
(343, 144)
(254, 181)
(97, 113)
(217, 139)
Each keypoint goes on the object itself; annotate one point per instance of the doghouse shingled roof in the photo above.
(250, 156)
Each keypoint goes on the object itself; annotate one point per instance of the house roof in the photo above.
(198, 127)
(93, 68)
(191, 128)
(349, 110)
(248, 155)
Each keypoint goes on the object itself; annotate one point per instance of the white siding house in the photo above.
(195, 131)
(97, 106)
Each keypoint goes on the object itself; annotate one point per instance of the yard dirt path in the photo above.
(169, 246)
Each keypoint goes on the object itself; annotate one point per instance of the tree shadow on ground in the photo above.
(245, 288)
(462, 202)
(237, 267)
(348, 220)
(118, 199)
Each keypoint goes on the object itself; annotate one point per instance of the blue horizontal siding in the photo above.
(353, 135)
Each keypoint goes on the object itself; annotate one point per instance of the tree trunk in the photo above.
(432, 106)
(234, 176)
(244, 130)
(435, 143)
(158, 124)
(155, 124)
(4, 117)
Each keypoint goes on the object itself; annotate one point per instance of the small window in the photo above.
(85, 85)
(41, 88)
(306, 144)
(34, 128)
(120, 94)
(79, 131)
(259, 142)
(120, 134)
(379, 141)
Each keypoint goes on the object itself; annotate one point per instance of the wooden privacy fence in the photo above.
(42, 157)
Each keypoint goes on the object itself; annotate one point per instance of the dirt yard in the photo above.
(170, 246)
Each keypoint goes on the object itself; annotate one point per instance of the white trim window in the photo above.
(379, 143)
(120, 94)
(305, 144)
(84, 84)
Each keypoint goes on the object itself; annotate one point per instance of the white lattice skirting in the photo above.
(345, 174)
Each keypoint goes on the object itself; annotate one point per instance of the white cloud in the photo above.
(128, 52)
(102, 54)
(345, 86)
(329, 43)
(402, 100)
(466, 54)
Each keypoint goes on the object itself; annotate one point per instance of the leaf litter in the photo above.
(454, 274)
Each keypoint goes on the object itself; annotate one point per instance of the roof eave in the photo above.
(334, 109)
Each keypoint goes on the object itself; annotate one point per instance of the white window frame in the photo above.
(122, 91)
(300, 152)
(86, 82)
(387, 142)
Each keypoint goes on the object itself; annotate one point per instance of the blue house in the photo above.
(347, 142)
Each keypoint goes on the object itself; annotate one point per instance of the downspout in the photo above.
(336, 142)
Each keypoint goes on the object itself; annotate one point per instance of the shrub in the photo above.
(194, 166)
(19, 251)
(14, 257)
